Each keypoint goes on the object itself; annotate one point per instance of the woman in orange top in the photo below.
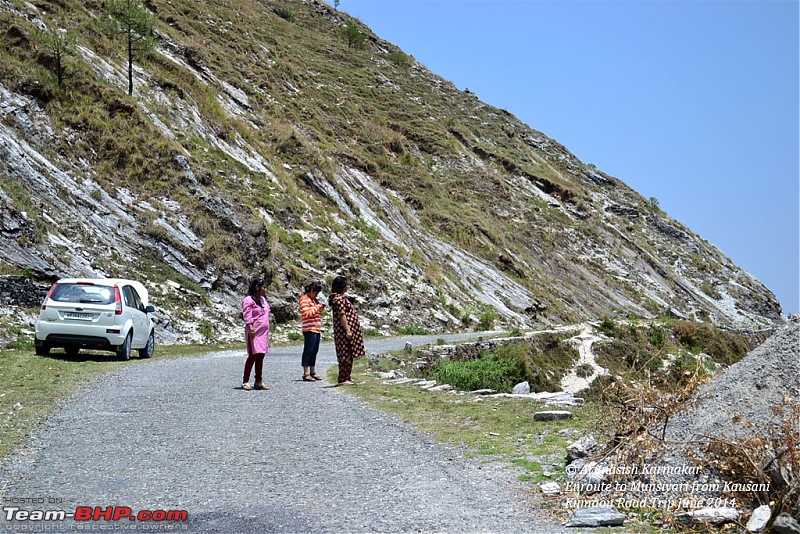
(311, 313)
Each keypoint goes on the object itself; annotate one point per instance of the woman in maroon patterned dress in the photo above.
(347, 335)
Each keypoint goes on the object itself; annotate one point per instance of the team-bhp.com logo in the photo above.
(94, 513)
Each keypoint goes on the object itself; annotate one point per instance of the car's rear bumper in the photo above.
(107, 338)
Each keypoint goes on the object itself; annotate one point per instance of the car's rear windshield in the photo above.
(83, 293)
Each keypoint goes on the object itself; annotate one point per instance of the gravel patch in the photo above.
(751, 388)
(747, 391)
(302, 457)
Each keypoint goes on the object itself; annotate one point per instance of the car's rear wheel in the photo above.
(150, 348)
(41, 348)
(124, 350)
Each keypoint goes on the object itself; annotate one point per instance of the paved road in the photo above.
(302, 457)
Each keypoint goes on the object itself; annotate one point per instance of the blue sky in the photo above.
(692, 102)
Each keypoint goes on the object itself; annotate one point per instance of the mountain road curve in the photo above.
(177, 445)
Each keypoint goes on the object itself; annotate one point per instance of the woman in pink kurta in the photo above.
(255, 311)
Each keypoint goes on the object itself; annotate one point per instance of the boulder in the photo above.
(595, 516)
(552, 415)
(581, 448)
(759, 519)
(713, 516)
(523, 388)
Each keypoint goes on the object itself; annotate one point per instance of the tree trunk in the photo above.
(130, 63)
(59, 70)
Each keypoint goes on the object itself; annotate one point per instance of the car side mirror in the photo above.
(149, 309)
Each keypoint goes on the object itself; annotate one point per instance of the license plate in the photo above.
(78, 316)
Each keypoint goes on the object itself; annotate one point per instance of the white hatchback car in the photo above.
(105, 314)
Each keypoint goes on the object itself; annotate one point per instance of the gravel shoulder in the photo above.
(301, 457)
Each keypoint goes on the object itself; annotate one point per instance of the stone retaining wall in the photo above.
(20, 291)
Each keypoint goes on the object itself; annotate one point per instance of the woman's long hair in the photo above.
(252, 291)
(338, 285)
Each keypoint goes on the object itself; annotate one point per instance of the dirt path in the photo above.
(572, 383)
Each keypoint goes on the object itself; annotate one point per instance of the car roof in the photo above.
(138, 286)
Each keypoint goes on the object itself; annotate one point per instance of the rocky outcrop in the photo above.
(467, 216)
(21, 291)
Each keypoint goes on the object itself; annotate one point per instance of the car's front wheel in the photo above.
(124, 350)
(150, 348)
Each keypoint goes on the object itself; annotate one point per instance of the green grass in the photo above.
(541, 361)
(487, 372)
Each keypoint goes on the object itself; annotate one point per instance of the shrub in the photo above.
(637, 351)
(413, 331)
(488, 372)
(622, 357)
(724, 347)
(603, 391)
(543, 359)
(206, 330)
(156, 231)
(399, 59)
(658, 335)
(683, 332)
(284, 13)
(685, 369)
(608, 327)
(584, 371)
(488, 317)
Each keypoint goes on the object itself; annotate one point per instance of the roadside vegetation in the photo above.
(34, 386)
(655, 366)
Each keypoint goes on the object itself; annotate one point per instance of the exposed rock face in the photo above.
(21, 291)
(547, 238)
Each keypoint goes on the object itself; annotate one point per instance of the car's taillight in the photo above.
(44, 302)
(117, 301)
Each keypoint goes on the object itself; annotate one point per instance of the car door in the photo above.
(138, 316)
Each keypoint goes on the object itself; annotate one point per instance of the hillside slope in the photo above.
(257, 140)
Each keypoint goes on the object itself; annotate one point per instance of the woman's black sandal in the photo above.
(315, 376)
(308, 378)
